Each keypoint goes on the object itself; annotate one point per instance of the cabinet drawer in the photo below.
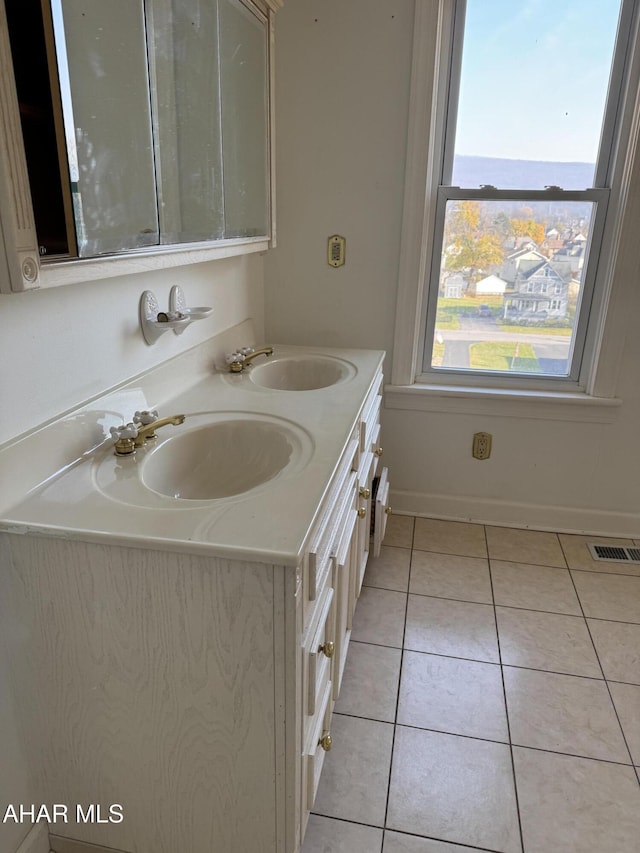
(314, 758)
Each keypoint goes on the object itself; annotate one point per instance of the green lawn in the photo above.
(503, 356)
(471, 302)
(447, 320)
(534, 330)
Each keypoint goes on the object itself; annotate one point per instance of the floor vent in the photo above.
(615, 553)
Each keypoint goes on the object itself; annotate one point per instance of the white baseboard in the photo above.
(505, 514)
(68, 845)
(37, 840)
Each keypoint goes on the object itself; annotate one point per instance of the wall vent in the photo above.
(614, 553)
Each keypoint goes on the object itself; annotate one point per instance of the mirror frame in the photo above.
(22, 268)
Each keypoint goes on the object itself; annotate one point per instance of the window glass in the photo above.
(533, 88)
(510, 285)
(520, 221)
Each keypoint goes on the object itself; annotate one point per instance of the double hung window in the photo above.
(527, 155)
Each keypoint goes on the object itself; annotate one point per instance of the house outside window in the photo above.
(527, 205)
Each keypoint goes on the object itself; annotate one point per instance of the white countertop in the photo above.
(79, 489)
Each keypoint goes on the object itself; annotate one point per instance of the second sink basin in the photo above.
(302, 373)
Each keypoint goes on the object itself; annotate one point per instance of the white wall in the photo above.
(342, 78)
(342, 92)
(59, 347)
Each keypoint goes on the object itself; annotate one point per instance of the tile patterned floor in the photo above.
(491, 700)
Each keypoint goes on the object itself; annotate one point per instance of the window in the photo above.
(527, 149)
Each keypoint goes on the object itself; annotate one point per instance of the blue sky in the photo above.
(534, 78)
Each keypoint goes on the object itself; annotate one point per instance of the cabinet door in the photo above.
(319, 651)
(365, 483)
(328, 527)
(344, 584)
(382, 511)
(317, 747)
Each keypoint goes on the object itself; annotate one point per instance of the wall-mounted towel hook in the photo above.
(154, 322)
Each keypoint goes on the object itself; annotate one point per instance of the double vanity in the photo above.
(178, 617)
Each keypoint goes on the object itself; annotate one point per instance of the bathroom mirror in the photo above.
(157, 122)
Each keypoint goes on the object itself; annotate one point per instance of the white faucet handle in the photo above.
(234, 356)
(145, 417)
(247, 350)
(129, 430)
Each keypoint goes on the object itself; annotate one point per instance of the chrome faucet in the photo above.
(237, 361)
(128, 438)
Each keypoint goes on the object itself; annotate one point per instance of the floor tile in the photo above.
(525, 546)
(399, 531)
(448, 773)
(396, 842)
(534, 587)
(563, 713)
(325, 835)
(454, 628)
(576, 805)
(379, 617)
(626, 698)
(452, 695)
(578, 555)
(451, 576)
(618, 647)
(390, 570)
(547, 641)
(613, 597)
(370, 682)
(450, 537)
(456, 789)
(355, 776)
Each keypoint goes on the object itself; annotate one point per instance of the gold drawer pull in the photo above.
(378, 451)
(329, 648)
(325, 742)
(364, 492)
(388, 510)
(362, 512)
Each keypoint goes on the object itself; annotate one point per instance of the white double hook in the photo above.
(154, 322)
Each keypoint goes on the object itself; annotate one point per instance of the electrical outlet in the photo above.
(336, 249)
(482, 445)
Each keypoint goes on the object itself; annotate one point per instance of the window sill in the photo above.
(544, 405)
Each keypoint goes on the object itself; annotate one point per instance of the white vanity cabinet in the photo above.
(193, 689)
(339, 554)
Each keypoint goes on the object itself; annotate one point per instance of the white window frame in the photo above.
(432, 50)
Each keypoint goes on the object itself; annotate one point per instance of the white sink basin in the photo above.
(212, 456)
(302, 372)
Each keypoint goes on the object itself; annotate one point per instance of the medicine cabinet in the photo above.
(134, 134)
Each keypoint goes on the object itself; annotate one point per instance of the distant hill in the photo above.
(470, 172)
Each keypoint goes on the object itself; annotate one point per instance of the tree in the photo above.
(528, 228)
(502, 225)
(470, 244)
